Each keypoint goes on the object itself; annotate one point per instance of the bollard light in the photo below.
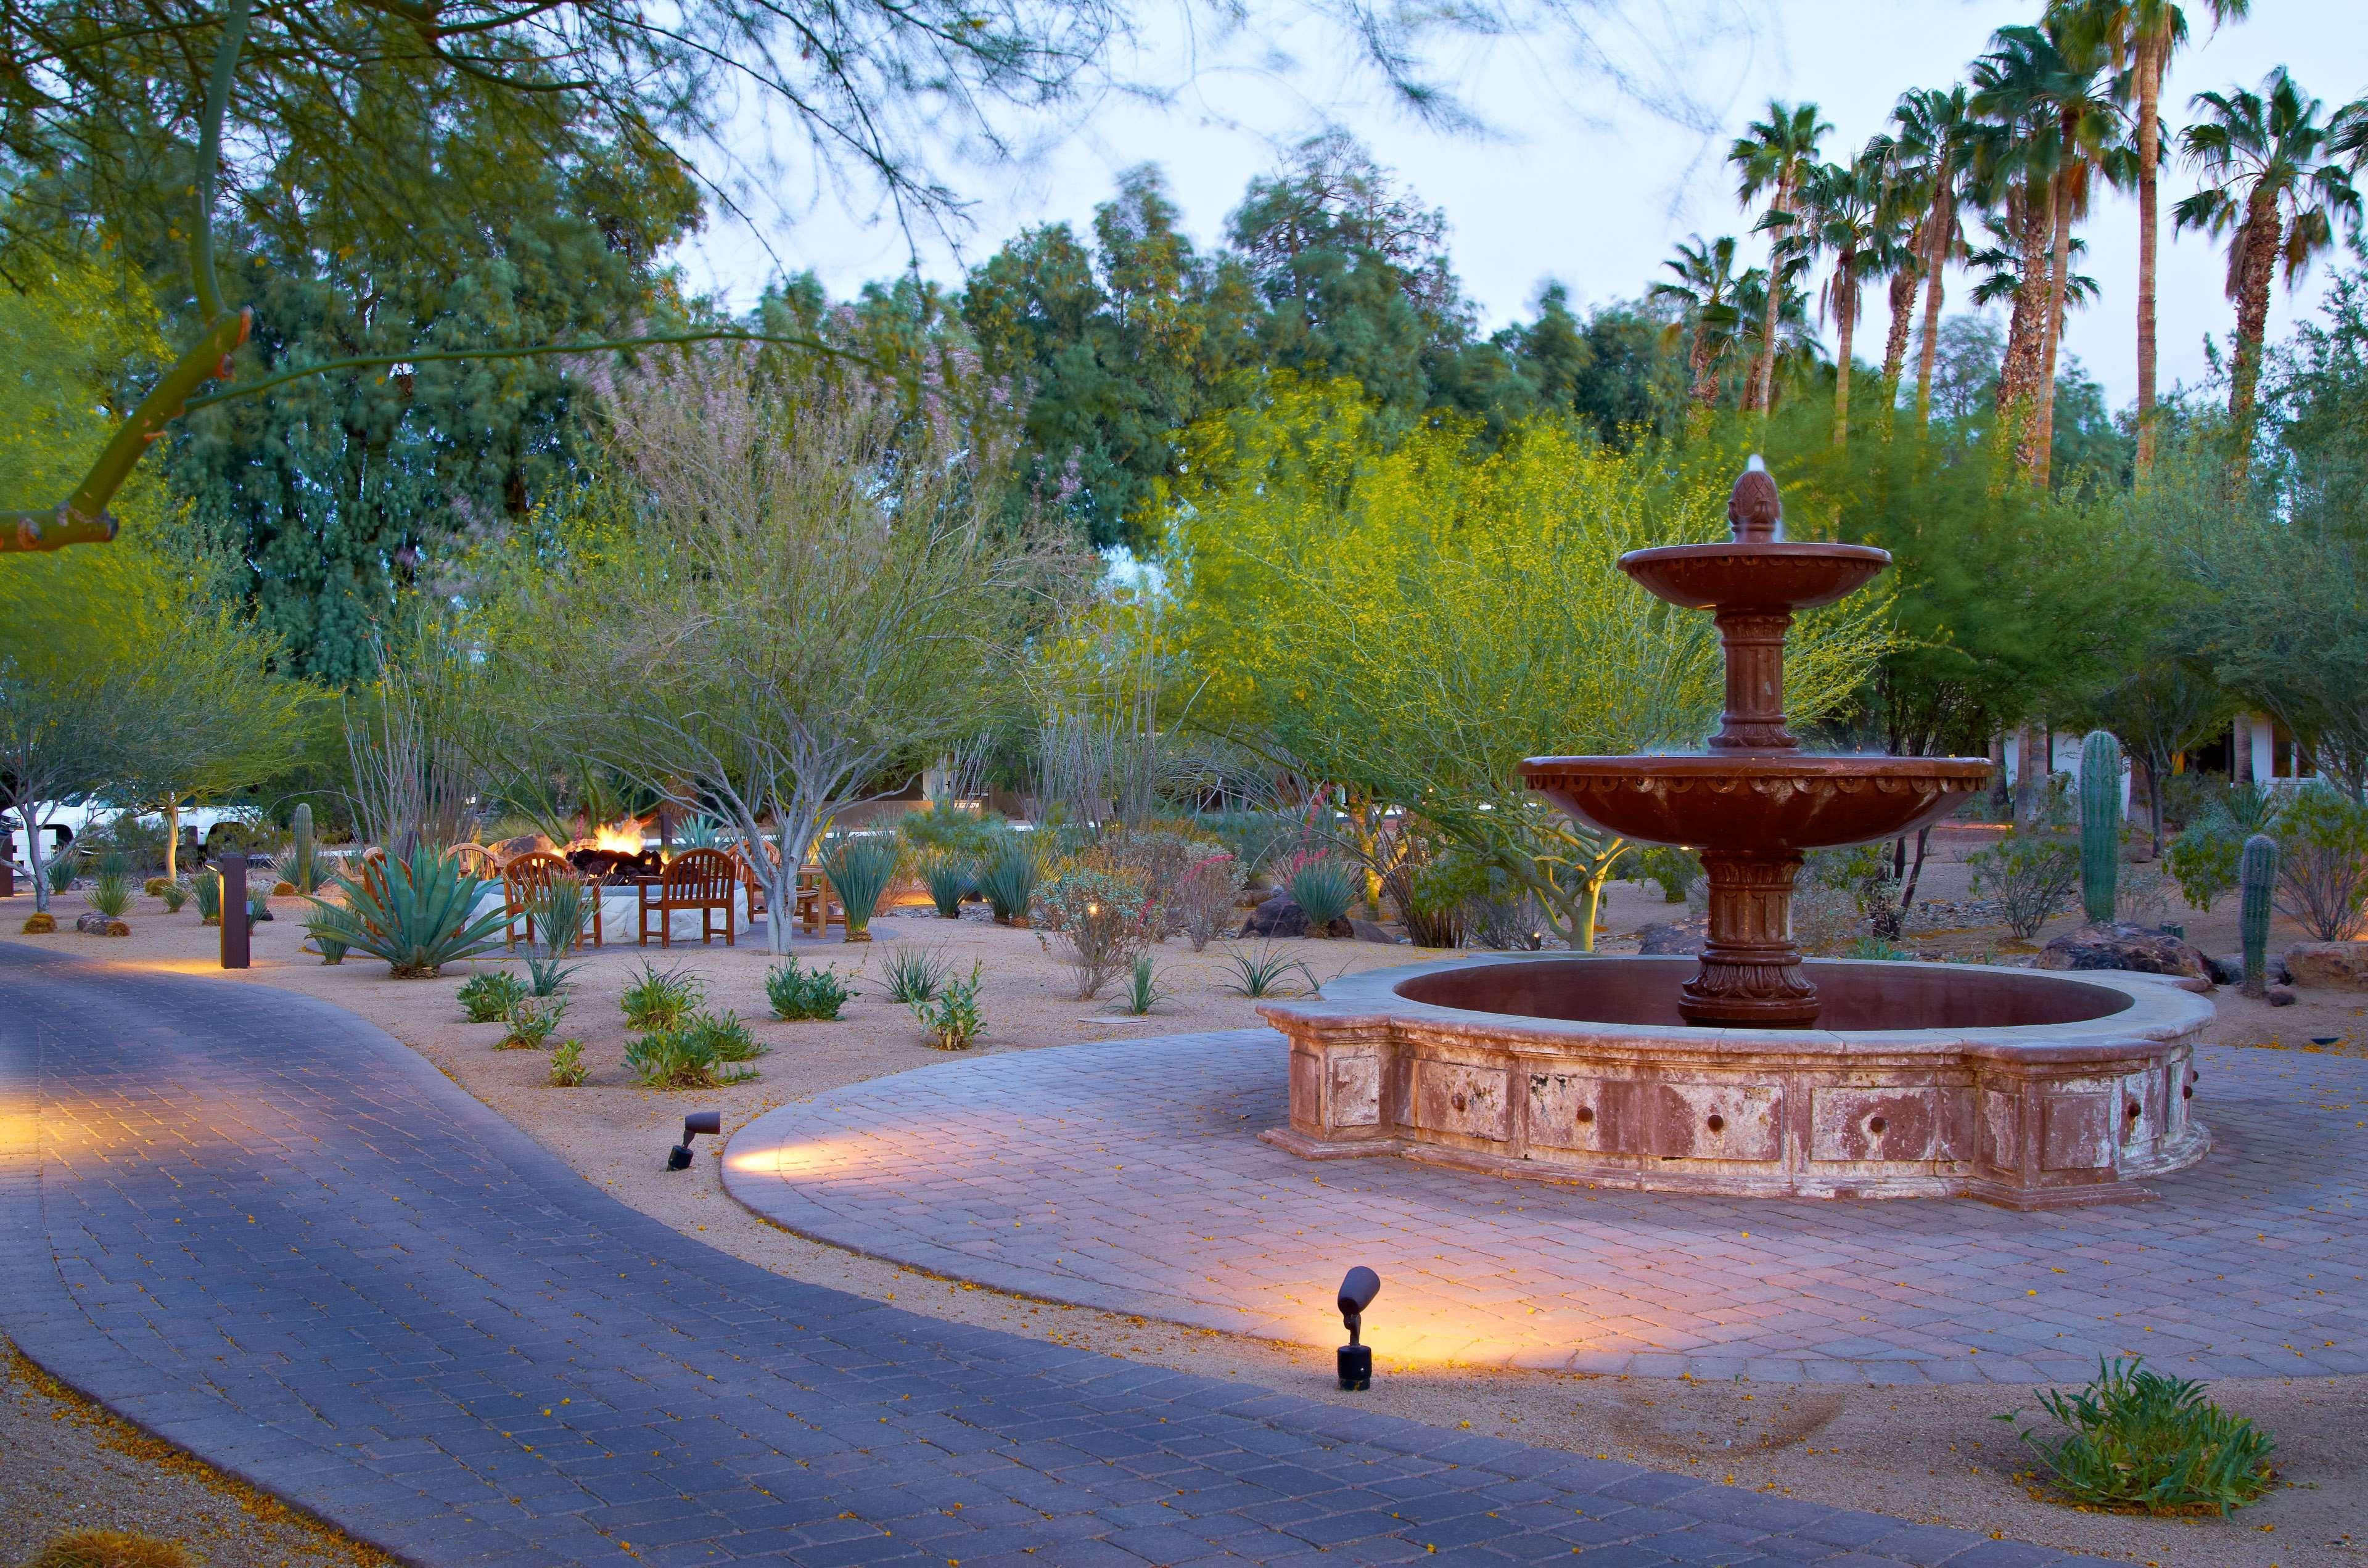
(1356, 1357)
(707, 1122)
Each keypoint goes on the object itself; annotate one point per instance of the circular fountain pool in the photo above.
(1922, 1079)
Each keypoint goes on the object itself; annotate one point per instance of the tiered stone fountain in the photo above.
(1758, 1072)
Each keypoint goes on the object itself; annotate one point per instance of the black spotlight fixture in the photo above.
(1356, 1359)
(707, 1122)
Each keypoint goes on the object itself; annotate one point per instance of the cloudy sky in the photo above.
(1572, 177)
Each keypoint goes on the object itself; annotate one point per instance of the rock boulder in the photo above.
(2139, 950)
(1372, 931)
(2328, 966)
(1282, 916)
(1670, 938)
(93, 923)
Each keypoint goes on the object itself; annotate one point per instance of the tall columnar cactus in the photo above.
(2101, 823)
(2257, 878)
(306, 879)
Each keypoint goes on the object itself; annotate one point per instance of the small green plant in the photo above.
(659, 999)
(332, 951)
(700, 832)
(2257, 878)
(567, 1069)
(915, 973)
(175, 894)
(206, 888)
(2137, 1441)
(1323, 890)
(112, 894)
(61, 871)
(2204, 857)
(1007, 878)
(2030, 874)
(1265, 970)
(531, 1022)
(258, 906)
(1875, 948)
(953, 1019)
(860, 870)
(1143, 991)
(417, 913)
(806, 994)
(557, 914)
(691, 1054)
(488, 997)
(949, 877)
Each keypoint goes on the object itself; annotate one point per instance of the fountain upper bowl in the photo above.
(1746, 800)
(1764, 575)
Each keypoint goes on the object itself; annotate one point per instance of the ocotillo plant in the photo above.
(2257, 878)
(2101, 823)
(307, 879)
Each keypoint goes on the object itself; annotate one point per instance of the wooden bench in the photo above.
(696, 878)
(525, 879)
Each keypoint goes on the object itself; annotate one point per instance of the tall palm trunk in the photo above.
(1704, 388)
(1764, 368)
(2149, 62)
(1894, 342)
(2260, 244)
(2059, 268)
(1845, 325)
(2018, 376)
(1936, 260)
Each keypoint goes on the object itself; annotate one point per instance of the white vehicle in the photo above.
(62, 825)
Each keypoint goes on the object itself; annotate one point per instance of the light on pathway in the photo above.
(707, 1122)
(1356, 1359)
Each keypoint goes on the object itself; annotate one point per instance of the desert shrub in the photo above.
(659, 999)
(531, 1022)
(1324, 889)
(1143, 991)
(413, 912)
(684, 1055)
(1101, 921)
(2145, 895)
(726, 1036)
(1508, 917)
(2203, 858)
(1255, 838)
(2135, 1439)
(156, 887)
(954, 1020)
(137, 843)
(1008, 876)
(860, 869)
(110, 1548)
(1668, 866)
(801, 994)
(2031, 875)
(175, 894)
(2322, 838)
(1158, 859)
(488, 997)
(1434, 898)
(950, 878)
(112, 894)
(937, 830)
(1206, 898)
(567, 1069)
(1267, 970)
(915, 973)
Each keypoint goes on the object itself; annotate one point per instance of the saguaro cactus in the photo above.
(2257, 878)
(2101, 823)
(306, 880)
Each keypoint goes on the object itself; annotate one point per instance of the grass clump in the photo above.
(2136, 1441)
(949, 878)
(1143, 991)
(1266, 970)
(1323, 890)
(487, 998)
(531, 1022)
(175, 894)
(659, 999)
(206, 888)
(952, 1017)
(699, 1051)
(567, 1069)
(802, 995)
(111, 1548)
(915, 974)
(60, 872)
(860, 870)
(112, 894)
(1007, 878)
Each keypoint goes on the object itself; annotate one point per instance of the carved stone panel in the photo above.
(1452, 1096)
(2077, 1130)
(1356, 1089)
(1712, 1120)
(1575, 1110)
(1853, 1123)
(1307, 1089)
(1998, 1130)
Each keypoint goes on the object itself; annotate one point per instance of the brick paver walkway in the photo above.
(275, 1237)
(1128, 1176)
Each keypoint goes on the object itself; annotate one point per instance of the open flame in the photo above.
(619, 837)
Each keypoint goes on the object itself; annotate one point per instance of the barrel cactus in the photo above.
(301, 852)
(2257, 880)
(2101, 823)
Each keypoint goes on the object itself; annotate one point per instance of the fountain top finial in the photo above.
(1755, 513)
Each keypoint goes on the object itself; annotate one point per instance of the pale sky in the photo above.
(1575, 182)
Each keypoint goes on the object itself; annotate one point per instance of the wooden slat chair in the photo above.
(696, 878)
(477, 860)
(817, 906)
(524, 880)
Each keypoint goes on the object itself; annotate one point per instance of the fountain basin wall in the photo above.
(1927, 1080)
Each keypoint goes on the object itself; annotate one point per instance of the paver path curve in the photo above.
(270, 1233)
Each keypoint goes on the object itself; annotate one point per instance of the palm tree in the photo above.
(2055, 78)
(2276, 182)
(1841, 216)
(1705, 291)
(1935, 153)
(1771, 156)
(1795, 350)
(2141, 35)
(2000, 264)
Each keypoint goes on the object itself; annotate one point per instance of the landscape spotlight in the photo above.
(1356, 1359)
(707, 1122)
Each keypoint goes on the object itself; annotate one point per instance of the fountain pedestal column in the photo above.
(1751, 975)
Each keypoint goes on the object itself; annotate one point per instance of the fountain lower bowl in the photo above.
(1782, 801)
(2029, 1090)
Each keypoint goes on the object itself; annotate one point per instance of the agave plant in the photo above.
(416, 914)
